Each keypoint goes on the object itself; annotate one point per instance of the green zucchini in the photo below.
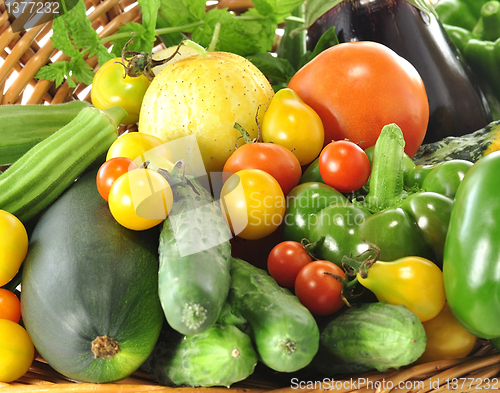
(195, 256)
(47, 169)
(89, 288)
(370, 336)
(219, 356)
(470, 147)
(23, 126)
(284, 332)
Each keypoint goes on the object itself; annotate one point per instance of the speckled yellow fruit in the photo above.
(204, 97)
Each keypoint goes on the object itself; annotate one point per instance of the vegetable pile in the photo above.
(293, 222)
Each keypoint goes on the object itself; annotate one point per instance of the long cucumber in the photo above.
(195, 257)
(23, 126)
(42, 174)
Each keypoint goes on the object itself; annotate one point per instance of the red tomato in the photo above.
(272, 158)
(110, 171)
(320, 293)
(285, 261)
(359, 87)
(10, 306)
(344, 166)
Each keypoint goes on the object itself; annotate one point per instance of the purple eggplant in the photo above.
(457, 105)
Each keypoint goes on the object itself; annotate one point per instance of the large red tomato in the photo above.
(359, 87)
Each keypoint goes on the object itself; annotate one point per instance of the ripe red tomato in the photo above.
(320, 293)
(344, 166)
(359, 87)
(272, 158)
(110, 171)
(10, 306)
(285, 261)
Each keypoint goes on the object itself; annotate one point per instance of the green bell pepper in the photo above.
(471, 267)
(474, 28)
(405, 211)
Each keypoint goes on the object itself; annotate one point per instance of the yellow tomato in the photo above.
(446, 338)
(13, 246)
(253, 203)
(140, 148)
(16, 351)
(414, 282)
(140, 199)
(292, 123)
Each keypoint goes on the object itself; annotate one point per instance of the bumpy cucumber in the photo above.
(48, 168)
(370, 336)
(470, 147)
(219, 356)
(284, 332)
(195, 257)
(23, 126)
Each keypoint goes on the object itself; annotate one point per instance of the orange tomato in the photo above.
(359, 87)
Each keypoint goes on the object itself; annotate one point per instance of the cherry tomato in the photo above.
(10, 306)
(272, 158)
(253, 203)
(110, 171)
(446, 338)
(141, 147)
(111, 86)
(344, 166)
(318, 291)
(16, 351)
(13, 246)
(285, 261)
(292, 123)
(140, 199)
(359, 87)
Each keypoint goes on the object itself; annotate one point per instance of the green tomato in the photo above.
(111, 86)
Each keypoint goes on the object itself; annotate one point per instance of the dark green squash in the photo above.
(90, 288)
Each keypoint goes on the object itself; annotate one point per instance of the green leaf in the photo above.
(327, 40)
(182, 12)
(54, 72)
(277, 69)
(243, 35)
(128, 31)
(278, 9)
(424, 6)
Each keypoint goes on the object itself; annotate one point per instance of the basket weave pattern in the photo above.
(22, 54)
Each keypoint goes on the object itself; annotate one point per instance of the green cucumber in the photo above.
(23, 126)
(219, 356)
(370, 336)
(36, 179)
(195, 257)
(284, 332)
(89, 288)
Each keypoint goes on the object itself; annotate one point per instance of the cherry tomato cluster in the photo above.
(139, 197)
(316, 283)
(16, 349)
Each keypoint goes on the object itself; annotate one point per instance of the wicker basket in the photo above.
(22, 55)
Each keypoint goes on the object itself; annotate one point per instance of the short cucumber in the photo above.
(48, 168)
(370, 336)
(219, 356)
(284, 332)
(23, 126)
(195, 257)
